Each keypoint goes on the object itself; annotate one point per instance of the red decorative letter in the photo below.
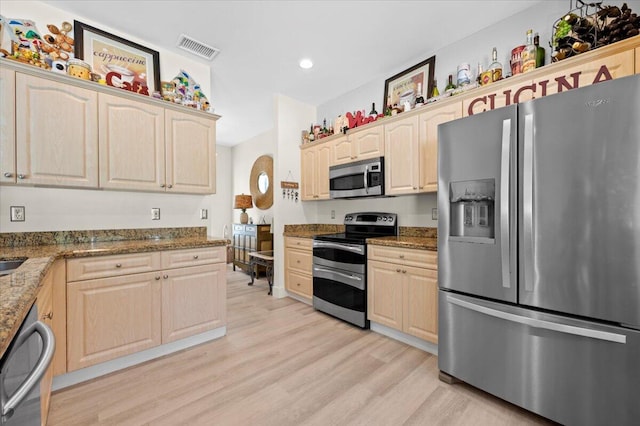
(603, 71)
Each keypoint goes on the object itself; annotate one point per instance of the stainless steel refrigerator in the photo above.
(539, 253)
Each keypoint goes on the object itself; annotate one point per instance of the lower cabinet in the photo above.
(402, 289)
(298, 264)
(115, 314)
(44, 302)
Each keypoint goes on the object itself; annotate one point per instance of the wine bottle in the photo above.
(387, 111)
(436, 92)
(419, 97)
(479, 76)
(495, 67)
(312, 137)
(529, 54)
(373, 112)
(540, 53)
(450, 87)
(324, 131)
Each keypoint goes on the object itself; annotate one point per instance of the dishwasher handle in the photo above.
(33, 379)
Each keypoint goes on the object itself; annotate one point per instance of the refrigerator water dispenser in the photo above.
(472, 204)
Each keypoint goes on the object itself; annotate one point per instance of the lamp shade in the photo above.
(243, 202)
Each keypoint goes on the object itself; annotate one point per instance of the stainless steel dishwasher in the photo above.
(21, 369)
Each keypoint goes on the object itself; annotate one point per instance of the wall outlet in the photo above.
(17, 214)
(204, 213)
(333, 214)
(434, 213)
(155, 213)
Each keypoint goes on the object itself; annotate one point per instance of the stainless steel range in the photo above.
(340, 266)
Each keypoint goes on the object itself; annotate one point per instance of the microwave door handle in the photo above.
(366, 178)
(48, 346)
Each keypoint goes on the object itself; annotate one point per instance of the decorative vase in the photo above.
(244, 217)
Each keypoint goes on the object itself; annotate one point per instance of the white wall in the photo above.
(242, 157)
(54, 209)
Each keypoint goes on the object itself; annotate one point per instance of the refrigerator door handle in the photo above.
(504, 203)
(527, 202)
(538, 323)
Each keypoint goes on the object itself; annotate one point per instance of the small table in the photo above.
(264, 258)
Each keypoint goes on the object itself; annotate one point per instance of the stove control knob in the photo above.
(378, 219)
(384, 219)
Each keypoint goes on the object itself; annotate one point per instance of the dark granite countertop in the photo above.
(419, 243)
(18, 290)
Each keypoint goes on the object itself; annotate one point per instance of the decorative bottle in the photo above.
(529, 54)
(450, 87)
(495, 67)
(419, 97)
(540, 53)
(373, 112)
(436, 92)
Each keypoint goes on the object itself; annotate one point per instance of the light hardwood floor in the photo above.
(283, 363)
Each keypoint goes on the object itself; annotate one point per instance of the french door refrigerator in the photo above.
(539, 253)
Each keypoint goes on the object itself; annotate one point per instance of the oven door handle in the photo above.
(34, 376)
(358, 282)
(326, 244)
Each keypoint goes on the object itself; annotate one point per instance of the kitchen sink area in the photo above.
(9, 266)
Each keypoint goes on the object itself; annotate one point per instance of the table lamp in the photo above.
(243, 202)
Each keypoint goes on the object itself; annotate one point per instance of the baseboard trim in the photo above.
(82, 375)
(405, 338)
(299, 298)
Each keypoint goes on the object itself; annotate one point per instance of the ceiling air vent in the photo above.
(196, 47)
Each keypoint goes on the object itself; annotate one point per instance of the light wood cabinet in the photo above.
(7, 126)
(402, 158)
(111, 317)
(44, 302)
(121, 304)
(298, 260)
(193, 300)
(132, 145)
(428, 137)
(190, 153)
(315, 163)
(637, 67)
(56, 133)
(59, 320)
(359, 144)
(403, 290)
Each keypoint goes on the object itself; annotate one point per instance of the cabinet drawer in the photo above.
(299, 243)
(410, 257)
(299, 284)
(299, 260)
(193, 257)
(110, 266)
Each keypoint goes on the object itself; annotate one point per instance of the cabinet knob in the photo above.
(404, 271)
(7, 174)
(297, 261)
(118, 265)
(402, 256)
(422, 187)
(415, 187)
(157, 277)
(169, 186)
(195, 256)
(162, 185)
(298, 284)
(21, 176)
(397, 270)
(48, 316)
(165, 276)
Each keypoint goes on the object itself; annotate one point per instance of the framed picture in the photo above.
(121, 63)
(403, 86)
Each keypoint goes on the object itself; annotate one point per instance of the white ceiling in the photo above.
(261, 43)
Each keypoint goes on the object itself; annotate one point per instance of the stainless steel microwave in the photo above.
(363, 178)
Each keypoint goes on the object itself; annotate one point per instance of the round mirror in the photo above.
(261, 182)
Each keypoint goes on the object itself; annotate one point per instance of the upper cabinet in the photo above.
(62, 131)
(190, 152)
(315, 172)
(132, 145)
(359, 144)
(56, 133)
(401, 156)
(7, 126)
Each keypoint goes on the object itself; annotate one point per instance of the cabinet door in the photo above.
(193, 301)
(132, 150)
(420, 310)
(323, 159)
(112, 317)
(7, 126)
(384, 294)
(190, 153)
(308, 168)
(56, 133)
(428, 135)
(367, 143)
(297, 283)
(401, 157)
(59, 320)
(341, 151)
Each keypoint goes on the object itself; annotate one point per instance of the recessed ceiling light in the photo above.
(306, 64)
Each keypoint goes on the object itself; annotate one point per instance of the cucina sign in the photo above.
(536, 89)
